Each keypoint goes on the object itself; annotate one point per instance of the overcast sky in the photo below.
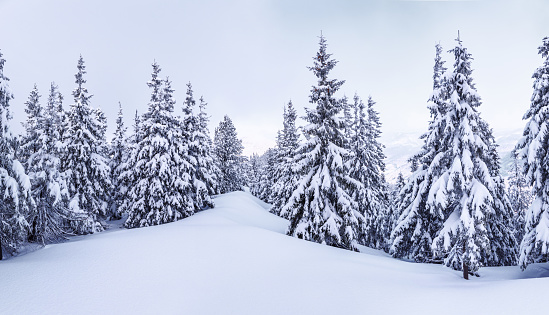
(249, 58)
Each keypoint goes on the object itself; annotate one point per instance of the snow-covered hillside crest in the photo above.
(454, 205)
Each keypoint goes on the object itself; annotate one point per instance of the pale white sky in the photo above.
(248, 58)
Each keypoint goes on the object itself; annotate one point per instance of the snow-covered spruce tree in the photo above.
(29, 141)
(49, 188)
(321, 209)
(84, 161)
(520, 195)
(157, 175)
(367, 166)
(267, 174)
(254, 174)
(118, 152)
(16, 200)
(455, 207)
(228, 155)
(207, 171)
(286, 176)
(533, 148)
(199, 153)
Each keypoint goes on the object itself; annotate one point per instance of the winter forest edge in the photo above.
(62, 177)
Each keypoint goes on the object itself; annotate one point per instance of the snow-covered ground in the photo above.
(235, 259)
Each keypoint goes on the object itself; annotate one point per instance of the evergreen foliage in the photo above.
(202, 172)
(16, 201)
(286, 177)
(321, 209)
(158, 167)
(118, 155)
(84, 161)
(454, 207)
(533, 149)
(228, 155)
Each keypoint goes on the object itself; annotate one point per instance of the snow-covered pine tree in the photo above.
(321, 209)
(228, 155)
(14, 183)
(520, 195)
(367, 167)
(286, 176)
(254, 174)
(158, 166)
(267, 174)
(84, 161)
(413, 232)
(117, 159)
(199, 153)
(208, 172)
(29, 142)
(534, 151)
(455, 207)
(49, 188)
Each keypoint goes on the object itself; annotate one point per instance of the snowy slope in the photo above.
(235, 259)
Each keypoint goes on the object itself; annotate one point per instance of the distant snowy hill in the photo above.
(235, 259)
(399, 147)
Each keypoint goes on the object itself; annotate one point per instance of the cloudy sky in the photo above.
(248, 58)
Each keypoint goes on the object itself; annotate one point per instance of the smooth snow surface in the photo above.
(235, 259)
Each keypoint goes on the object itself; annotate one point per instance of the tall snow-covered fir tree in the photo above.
(267, 175)
(367, 166)
(202, 172)
(118, 152)
(534, 151)
(321, 209)
(287, 177)
(160, 187)
(84, 161)
(29, 141)
(49, 188)
(520, 195)
(228, 155)
(16, 200)
(455, 207)
(207, 171)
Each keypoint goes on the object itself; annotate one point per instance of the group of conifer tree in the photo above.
(62, 177)
(454, 208)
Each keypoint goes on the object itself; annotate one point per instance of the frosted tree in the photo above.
(321, 209)
(84, 161)
(49, 187)
(533, 149)
(254, 174)
(366, 166)
(267, 174)
(228, 155)
(520, 195)
(29, 142)
(160, 187)
(117, 164)
(287, 177)
(16, 200)
(207, 171)
(202, 172)
(455, 207)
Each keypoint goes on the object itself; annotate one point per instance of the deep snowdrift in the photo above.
(235, 259)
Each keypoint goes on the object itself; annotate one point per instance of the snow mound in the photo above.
(235, 259)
